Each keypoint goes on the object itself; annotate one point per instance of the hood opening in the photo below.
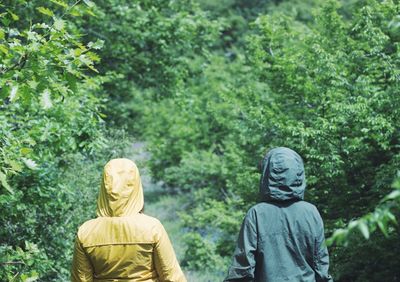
(121, 192)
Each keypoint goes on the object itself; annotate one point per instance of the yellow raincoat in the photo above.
(123, 244)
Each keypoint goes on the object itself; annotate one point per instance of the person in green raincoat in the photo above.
(282, 237)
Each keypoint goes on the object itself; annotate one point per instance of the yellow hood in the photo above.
(121, 192)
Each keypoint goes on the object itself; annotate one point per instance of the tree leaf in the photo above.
(59, 24)
(15, 166)
(45, 99)
(60, 3)
(96, 45)
(89, 3)
(382, 226)
(392, 218)
(45, 11)
(393, 195)
(13, 93)
(4, 183)
(25, 151)
(92, 68)
(362, 226)
(85, 60)
(3, 49)
(13, 16)
(30, 163)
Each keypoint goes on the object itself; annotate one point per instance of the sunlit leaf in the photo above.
(13, 15)
(96, 45)
(25, 151)
(85, 60)
(362, 226)
(15, 166)
(382, 226)
(45, 11)
(393, 195)
(60, 3)
(4, 183)
(46, 99)
(59, 24)
(89, 3)
(30, 163)
(33, 84)
(92, 68)
(3, 49)
(13, 93)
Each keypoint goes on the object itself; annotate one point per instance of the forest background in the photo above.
(209, 86)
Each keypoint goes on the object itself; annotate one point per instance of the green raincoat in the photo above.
(281, 238)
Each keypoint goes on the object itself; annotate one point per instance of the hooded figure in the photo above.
(282, 237)
(123, 244)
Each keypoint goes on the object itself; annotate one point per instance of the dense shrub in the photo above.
(52, 136)
(326, 88)
(210, 86)
(149, 46)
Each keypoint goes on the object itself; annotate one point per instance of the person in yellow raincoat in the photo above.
(122, 243)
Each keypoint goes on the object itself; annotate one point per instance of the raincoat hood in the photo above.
(121, 192)
(283, 176)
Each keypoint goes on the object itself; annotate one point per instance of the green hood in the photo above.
(283, 176)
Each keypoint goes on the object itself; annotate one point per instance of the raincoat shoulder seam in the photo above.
(119, 243)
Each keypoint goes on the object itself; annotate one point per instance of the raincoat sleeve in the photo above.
(244, 258)
(321, 256)
(165, 261)
(81, 270)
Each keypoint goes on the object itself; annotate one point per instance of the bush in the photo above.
(326, 88)
(53, 140)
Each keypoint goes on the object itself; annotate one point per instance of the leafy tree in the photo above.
(326, 87)
(51, 127)
(210, 86)
(149, 46)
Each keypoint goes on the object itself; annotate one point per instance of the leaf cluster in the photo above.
(51, 133)
(325, 87)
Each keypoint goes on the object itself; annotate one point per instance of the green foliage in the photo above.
(28, 261)
(51, 131)
(42, 75)
(201, 143)
(200, 253)
(382, 218)
(148, 48)
(374, 259)
(210, 86)
(336, 87)
(325, 86)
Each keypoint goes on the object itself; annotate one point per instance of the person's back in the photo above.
(282, 238)
(123, 244)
